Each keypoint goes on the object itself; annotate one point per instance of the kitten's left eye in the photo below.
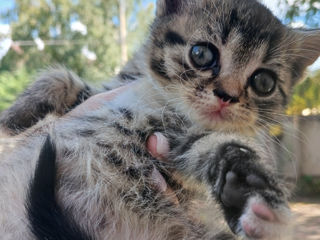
(204, 56)
(263, 82)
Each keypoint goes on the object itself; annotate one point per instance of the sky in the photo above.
(272, 4)
(5, 5)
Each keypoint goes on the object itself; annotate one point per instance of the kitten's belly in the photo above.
(16, 171)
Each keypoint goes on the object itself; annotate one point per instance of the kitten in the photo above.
(202, 56)
(104, 180)
(220, 68)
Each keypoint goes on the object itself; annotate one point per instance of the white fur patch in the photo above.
(266, 230)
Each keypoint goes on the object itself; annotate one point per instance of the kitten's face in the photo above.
(227, 64)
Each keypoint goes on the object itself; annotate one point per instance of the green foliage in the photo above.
(306, 95)
(51, 20)
(138, 24)
(307, 10)
(12, 84)
(308, 186)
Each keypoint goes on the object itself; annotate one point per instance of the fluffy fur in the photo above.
(103, 169)
(47, 219)
(104, 177)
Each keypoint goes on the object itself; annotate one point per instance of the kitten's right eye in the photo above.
(204, 56)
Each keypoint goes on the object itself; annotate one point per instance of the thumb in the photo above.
(158, 146)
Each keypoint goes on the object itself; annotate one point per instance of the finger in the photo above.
(97, 101)
(158, 181)
(172, 196)
(160, 184)
(158, 146)
(110, 95)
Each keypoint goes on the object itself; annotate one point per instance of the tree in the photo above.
(12, 83)
(306, 95)
(306, 10)
(123, 31)
(54, 20)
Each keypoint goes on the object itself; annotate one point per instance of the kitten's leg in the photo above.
(55, 91)
(47, 220)
(46, 215)
(112, 184)
(253, 199)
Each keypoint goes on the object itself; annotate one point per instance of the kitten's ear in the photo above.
(168, 7)
(310, 45)
(307, 50)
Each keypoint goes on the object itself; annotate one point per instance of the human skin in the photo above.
(157, 144)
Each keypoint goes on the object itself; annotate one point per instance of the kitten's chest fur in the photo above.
(113, 151)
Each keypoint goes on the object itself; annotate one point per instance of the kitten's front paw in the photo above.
(261, 221)
(238, 177)
(237, 187)
(241, 178)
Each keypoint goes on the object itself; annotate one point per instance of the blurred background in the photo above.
(95, 38)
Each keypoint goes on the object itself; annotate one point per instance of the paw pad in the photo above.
(236, 188)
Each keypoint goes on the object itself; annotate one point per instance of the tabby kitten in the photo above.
(228, 65)
(208, 66)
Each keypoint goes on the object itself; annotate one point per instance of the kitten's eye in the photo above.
(263, 82)
(204, 56)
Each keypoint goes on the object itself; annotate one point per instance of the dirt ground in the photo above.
(306, 219)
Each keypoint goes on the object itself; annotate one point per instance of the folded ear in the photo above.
(306, 49)
(168, 7)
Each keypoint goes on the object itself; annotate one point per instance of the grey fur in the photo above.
(104, 168)
(56, 91)
(106, 176)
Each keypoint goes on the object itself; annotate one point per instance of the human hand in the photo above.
(157, 144)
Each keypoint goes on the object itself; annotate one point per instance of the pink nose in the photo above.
(223, 104)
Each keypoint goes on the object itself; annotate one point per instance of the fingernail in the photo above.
(162, 144)
(152, 145)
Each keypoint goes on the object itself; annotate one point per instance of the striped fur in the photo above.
(104, 173)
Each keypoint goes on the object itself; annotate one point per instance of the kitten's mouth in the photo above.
(217, 116)
(219, 112)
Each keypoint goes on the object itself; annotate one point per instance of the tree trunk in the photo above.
(123, 32)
